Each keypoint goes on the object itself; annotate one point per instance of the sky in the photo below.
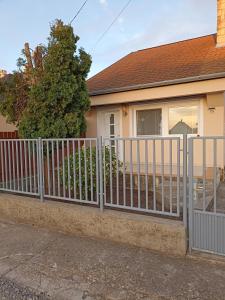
(145, 23)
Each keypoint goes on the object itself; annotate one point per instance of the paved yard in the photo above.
(38, 264)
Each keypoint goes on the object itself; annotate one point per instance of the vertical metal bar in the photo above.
(10, 170)
(74, 172)
(21, 166)
(99, 166)
(131, 175)
(48, 169)
(17, 167)
(63, 163)
(204, 173)
(215, 174)
(178, 177)
(2, 163)
(117, 173)
(40, 169)
(68, 168)
(104, 170)
(139, 173)
(53, 168)
(91, 168)
(85, 171)
(34, 164)
(29, 166)
(58, 170)
(43, 168)
(162, 174)
(25, 160)
(185, 180)
(80, 181)
(13, 164)
(154, 174)
(99, 142)
(6, 166)
(124, 173)
(171, 175)
(110, 170)
(190, 173)
(146, 174)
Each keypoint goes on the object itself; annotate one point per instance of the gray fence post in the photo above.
(185, 154)
(190, 181)
(40, 169)
(100, 159)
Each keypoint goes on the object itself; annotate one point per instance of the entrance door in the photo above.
(109, 124)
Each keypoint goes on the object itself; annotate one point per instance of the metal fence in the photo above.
(70, 169)
(206, 194)
(146, 174)
(20, 166)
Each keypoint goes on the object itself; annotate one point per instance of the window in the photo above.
(112, 129)
(183, 120)
(149, 122)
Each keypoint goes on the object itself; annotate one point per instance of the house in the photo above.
(151, 91)
(182, 80)
(2, 73)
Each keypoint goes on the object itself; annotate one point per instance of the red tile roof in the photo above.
(177, 61)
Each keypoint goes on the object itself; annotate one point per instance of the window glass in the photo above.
(112, 118)
(149, 122)
(183, 120)
(112, 129)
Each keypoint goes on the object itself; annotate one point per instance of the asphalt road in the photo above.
(39, 264)
(12, 290)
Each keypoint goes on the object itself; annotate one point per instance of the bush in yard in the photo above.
(88, 162)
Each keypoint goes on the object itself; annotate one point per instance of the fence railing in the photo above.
(70, 169)
(206, 172)
(206, 194)
(20, 166)
(143, 174)
(146, 174)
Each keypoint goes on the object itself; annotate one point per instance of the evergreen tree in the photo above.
(57, 97)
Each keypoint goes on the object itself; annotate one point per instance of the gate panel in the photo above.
(206, 194)
(208, 234)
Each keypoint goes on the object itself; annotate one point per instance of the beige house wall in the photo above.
(211, 106)
(5, 127)
(212, 115)
(91, 118)
(163, 92)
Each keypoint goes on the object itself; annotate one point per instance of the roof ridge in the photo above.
(173, 43)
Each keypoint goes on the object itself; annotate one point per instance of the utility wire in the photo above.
(79, 10)
(113, 22)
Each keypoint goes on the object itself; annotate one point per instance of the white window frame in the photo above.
(165, 106)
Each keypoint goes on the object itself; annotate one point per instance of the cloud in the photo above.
(120, 20)
(103, 2)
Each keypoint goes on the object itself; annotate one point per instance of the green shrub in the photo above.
(77, 169)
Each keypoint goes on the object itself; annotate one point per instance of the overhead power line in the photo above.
(79, 10)
(113, 22)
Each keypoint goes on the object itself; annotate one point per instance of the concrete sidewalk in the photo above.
(39, 264)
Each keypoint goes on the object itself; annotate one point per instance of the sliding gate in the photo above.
(207, 194)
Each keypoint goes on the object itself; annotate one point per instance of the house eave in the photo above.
(158, 84)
